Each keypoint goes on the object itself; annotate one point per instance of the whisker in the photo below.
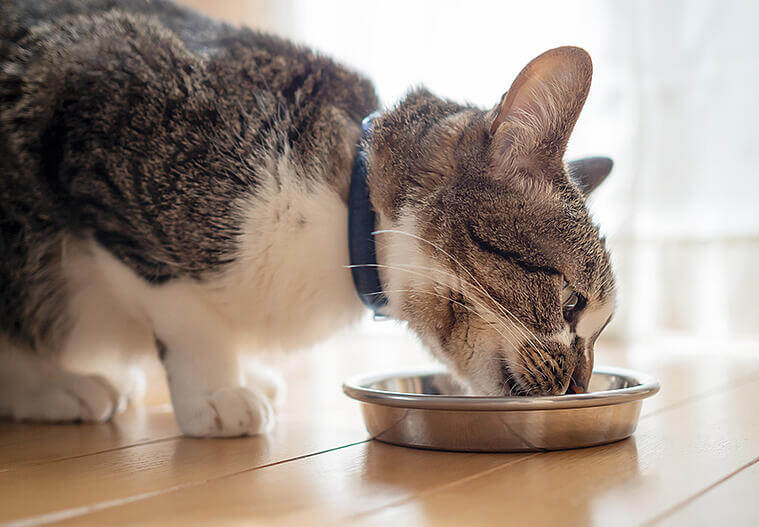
(529, 336)
(530, 365)
(525, 331)
(506, 382)
(507, 339)
(481, 287)
(477, 304)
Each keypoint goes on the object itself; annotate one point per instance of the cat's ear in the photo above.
(589, 172)
(532, 123)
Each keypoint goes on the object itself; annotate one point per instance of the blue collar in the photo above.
(361, 227)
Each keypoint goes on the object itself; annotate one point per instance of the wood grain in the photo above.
(673, 455)
(316, 469)
(143, 469)
(732, 501)
(26, 443)
(310, 491)
(376, 484)
(140, 452)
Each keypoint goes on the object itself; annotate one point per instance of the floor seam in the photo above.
(94, 453)
(662, 516)
(684, 402)
(433, 490)
(706, 393)
(65, 514)
(98, 506)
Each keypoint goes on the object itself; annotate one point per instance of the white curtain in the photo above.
(675, 102)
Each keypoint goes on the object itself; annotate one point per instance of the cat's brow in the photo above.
(512, 256)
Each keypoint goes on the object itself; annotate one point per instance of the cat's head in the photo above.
(486, 247)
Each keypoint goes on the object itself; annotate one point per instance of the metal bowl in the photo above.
(428, 410)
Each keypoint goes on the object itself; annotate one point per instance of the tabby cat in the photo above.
(173, 183)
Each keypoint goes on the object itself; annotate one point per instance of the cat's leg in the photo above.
(107, 341)
(105, 336)
(206, 380)
(35, 387)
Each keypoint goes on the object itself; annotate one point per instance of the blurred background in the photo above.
(674, 102)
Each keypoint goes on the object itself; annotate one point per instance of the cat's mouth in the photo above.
(581, 375)
(578, 383)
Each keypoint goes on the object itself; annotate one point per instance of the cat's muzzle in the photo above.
(580, 379)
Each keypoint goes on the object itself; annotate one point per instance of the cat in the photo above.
(176, 184)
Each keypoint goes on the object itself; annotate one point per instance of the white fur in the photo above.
(288, 288)
(563, 337)
(404, 263)
(589, 323)
(591, 320)
(106, 334)
(32, 387)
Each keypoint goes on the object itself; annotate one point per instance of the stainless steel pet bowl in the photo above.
(427, 410)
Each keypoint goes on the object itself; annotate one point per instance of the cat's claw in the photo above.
(71, 397)
(228, 412)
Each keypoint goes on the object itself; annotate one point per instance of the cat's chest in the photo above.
(289, 285)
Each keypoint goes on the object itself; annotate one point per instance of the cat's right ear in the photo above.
(589, 172)
(531, 125)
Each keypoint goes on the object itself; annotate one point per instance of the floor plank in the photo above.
(139, 454)
(310, 491)
(323, 369)
(674, 455)
(693, 437)
(729, 502)
(22, 444)
(142, 469)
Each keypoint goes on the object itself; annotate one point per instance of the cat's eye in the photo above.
(571, 302)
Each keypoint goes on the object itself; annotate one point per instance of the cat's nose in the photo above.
(580, 379)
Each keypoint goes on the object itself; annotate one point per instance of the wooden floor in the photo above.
(692, 461)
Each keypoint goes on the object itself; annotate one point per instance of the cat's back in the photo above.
(145, 107)
(200, 34)
(159, 42)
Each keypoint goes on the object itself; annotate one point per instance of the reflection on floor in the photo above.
(695, 450)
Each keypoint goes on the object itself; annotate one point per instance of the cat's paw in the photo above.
(70, 397)
(228, 412)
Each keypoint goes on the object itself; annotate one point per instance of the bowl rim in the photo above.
(358, 388)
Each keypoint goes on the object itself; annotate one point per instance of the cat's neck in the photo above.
(406, 163)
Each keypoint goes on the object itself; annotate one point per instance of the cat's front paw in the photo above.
(70, 397)
(228, 412)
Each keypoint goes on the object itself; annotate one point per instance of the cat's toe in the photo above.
(228, 412)
(72, 397)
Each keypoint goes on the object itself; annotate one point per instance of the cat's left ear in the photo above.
(589, 172)
(532, 123)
